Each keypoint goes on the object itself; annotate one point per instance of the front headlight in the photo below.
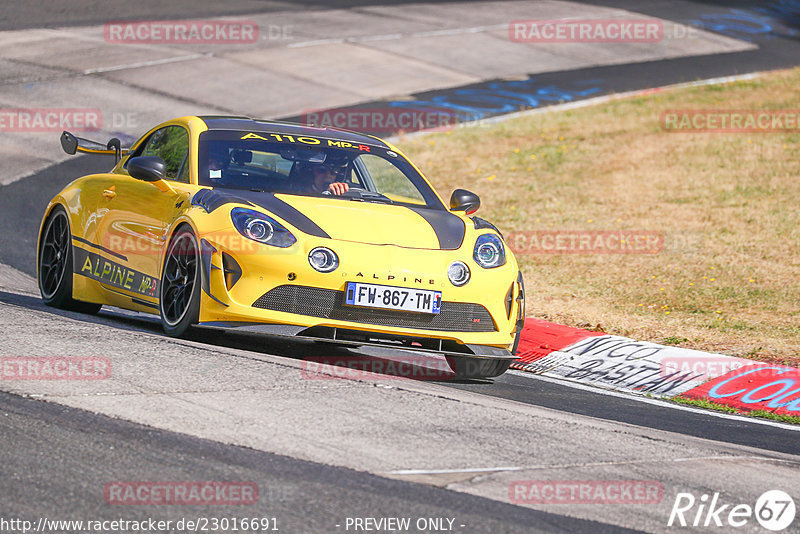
(458, 273)
(323, 259)
(489, 251)
(262, 228)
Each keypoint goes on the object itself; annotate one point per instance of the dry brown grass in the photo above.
(728, 279)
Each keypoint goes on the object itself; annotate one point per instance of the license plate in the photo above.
(393, 298)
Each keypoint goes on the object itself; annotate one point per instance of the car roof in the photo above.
(288, 128)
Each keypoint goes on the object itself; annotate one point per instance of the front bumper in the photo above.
(329, 304)
(277, 291)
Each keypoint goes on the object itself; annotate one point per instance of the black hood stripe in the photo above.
(211, 200)
(449, 228)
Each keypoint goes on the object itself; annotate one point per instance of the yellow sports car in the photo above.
(287, 230)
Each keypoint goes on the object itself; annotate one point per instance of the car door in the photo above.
(134, 216)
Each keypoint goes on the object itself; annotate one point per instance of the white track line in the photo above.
(449, 471)
(585, 464)
(656, 401)
(398, 36)
(145, 64)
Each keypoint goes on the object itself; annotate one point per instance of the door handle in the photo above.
(109, 193)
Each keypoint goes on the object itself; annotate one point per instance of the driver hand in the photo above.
(338, 188)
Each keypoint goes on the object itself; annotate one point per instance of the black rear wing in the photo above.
(72, 144)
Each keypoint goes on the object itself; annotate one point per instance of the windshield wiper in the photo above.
(362, 195)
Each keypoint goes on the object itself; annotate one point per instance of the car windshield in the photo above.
(279, 163)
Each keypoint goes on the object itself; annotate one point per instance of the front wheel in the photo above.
(179, 298)
(55, 266)
(467, 368)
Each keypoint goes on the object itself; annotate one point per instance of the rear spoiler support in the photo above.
(72, 144)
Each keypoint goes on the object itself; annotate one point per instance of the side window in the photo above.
(389, 180)
(171, 144)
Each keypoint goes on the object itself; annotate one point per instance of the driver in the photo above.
(323, 179)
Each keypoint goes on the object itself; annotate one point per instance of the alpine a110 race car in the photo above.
(283, 229)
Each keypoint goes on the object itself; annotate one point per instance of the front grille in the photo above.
(329, 304)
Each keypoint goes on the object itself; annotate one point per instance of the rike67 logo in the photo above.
(774, 510)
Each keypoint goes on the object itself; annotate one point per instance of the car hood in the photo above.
(363, 222)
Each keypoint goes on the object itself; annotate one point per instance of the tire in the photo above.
(467, 368)
(55, 266)
(179, 296)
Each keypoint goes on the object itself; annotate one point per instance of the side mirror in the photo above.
(147, 168)
(466, 201)
(69, 143)
(116, 145)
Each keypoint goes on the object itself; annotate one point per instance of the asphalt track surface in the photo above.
(92, 449)
(514, 386)
(17, 15)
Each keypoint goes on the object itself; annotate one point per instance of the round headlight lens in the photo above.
(489, 251)
(323, 259)
(458, 273)
(262, 228)
(259, 229)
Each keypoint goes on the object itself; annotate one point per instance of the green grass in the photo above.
(673, 340)
(763, 414)
(728, 278)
